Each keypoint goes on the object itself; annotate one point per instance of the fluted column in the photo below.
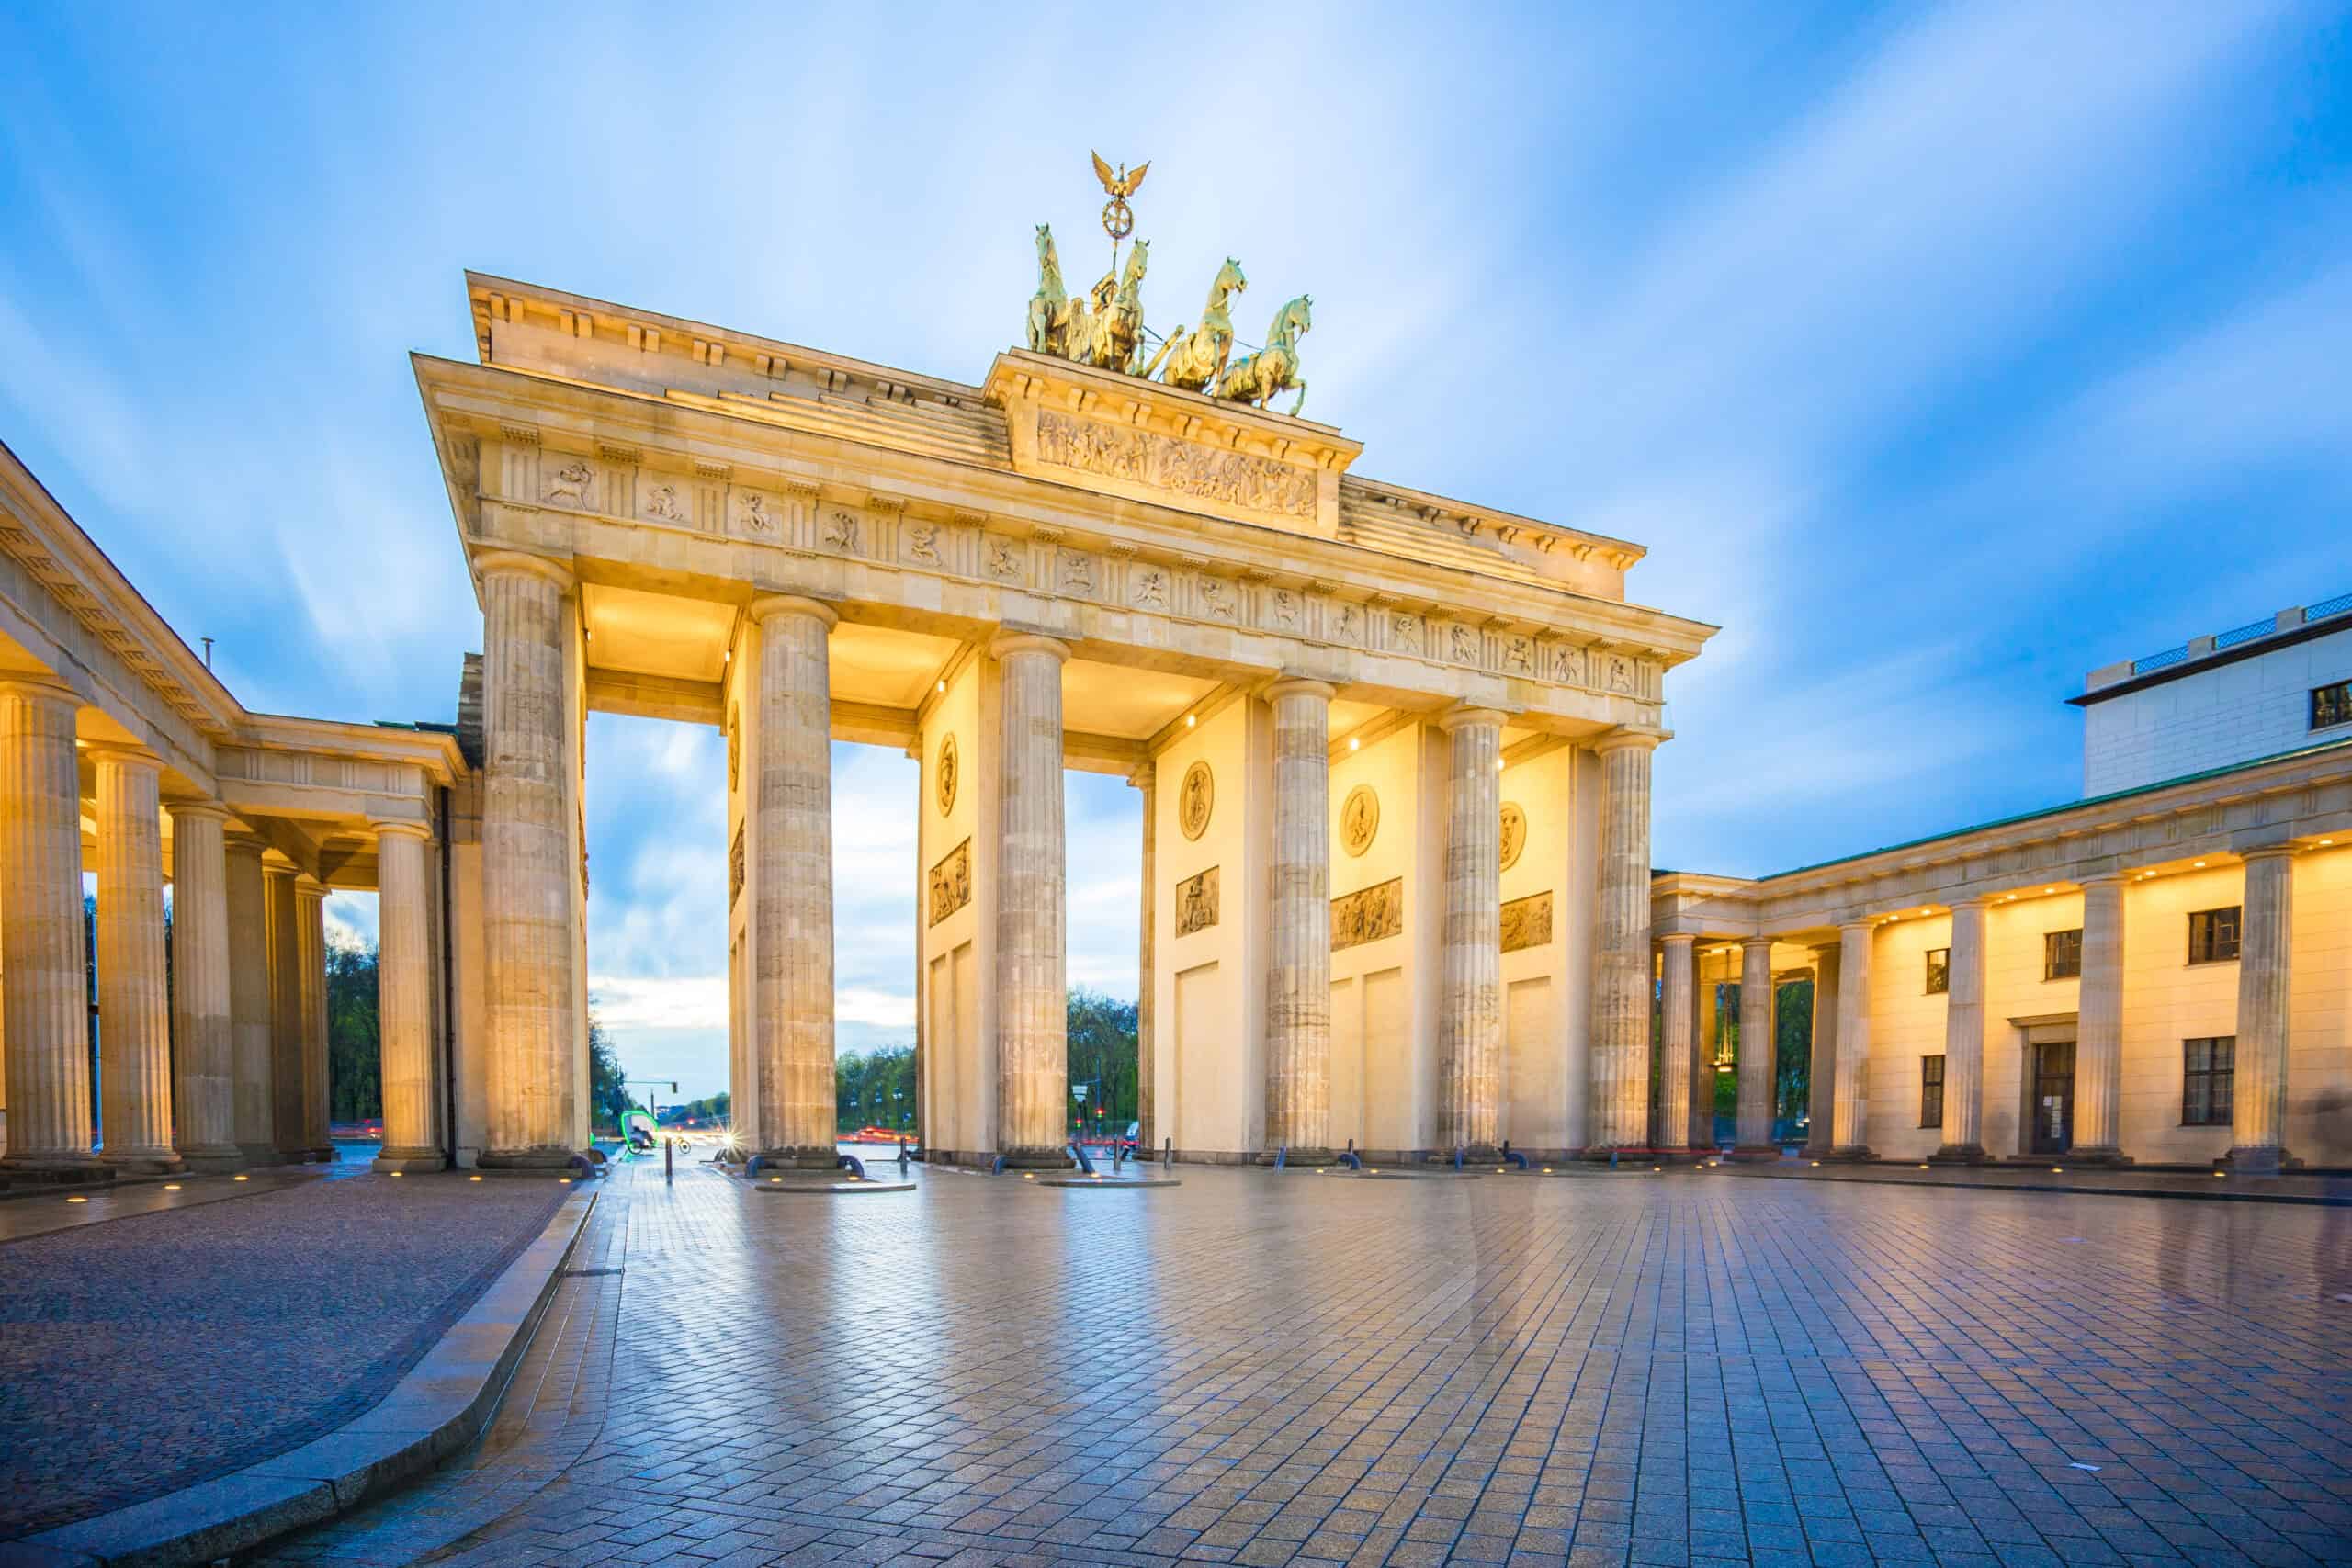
(252, 1048)
(1032, 990)
(286, 1121)
(44, 1011)
(1145, 779)
(1619, 1056)
(1849, 1107)
(792, 994)
(1964, 1036)
(1298, 925)
(134, 1008)
(311, 954)
(1703, 1056)
(1756, 1049)
(404, 996)
(2258, 1100)
(2099, 1023)
(1821, 1073)
(1470, 1003)
(528, 945)
(206, 1125)
(1677, 1028)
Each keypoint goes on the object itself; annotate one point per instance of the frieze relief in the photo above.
(1168, 463)
(1369, 914)
(951, 882)
(1527, 922)
(1196, 903)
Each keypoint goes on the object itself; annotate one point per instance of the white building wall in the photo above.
(2212, 718)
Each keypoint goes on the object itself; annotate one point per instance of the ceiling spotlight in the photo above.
(1355, 743)
(1191, 719)
(2201, 865)
(940, 685)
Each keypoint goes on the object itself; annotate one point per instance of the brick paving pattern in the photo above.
(1298, 1370)
(151, 1351)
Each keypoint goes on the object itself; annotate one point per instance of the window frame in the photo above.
(2211, 950)
(2336, 694)
(2209, 1076)
(1931, 1077)
(1938, 972)
(2052, 946)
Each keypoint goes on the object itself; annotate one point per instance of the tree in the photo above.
(355, 1053)
(608, 1098)
(1102, 1056)
(875, 1088)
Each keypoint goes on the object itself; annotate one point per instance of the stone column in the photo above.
(2098, 1025)
(286, 1131)
(1145, 779)
(206, 1125)
(1620, 1051)
(1755, 1049)
(253, 1049)
(404, 996)
(44, 1009)
(1702, 1055)
(2259, 1100)
(1821, 1073)
(1298, 926)
(1678, 1027)
(792, 983)
(528, 867)
(134, 1010)
(311, 954)
(1031, 988)
(1470, 1002)
(1964, 1037)
(1849, 1107)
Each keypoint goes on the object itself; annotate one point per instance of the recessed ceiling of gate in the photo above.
(655, 634)
(1125, 701)
(877, 664)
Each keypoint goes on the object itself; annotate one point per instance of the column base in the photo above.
(214, 1159)
(53, 1171)
(527, 1162)
(2259, 1160)
(259, 1153)
(409, 1162)
(1852, 1154)
(803, 1157)
(1960, 1153)
(147, 1162)
(1754, 1152)
(1299, 1156)
(1038, 1159)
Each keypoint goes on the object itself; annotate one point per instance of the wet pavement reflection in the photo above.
(1290, 1368)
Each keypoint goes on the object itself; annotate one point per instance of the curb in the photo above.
(440, 1407)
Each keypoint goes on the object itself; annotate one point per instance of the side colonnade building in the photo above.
(2160, 973)
(121, 756)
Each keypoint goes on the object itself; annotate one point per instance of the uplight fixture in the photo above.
(77, 1197)
(171, 1186)
(241, 1179)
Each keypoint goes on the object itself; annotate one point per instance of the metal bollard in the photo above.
(1166, 1153)
(669, 1153)
(902, 1156)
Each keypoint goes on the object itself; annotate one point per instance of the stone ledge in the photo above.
(442, 1404)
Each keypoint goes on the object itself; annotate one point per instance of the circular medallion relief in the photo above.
(1195, 800)
(1514, 833)
(1359, 820)
(945, 783)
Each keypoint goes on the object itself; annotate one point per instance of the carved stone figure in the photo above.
(1151, 588)
(661, 502)
(1166, 462)
(1195, 799)
(1078, 572)
(946, 776)
(1527, 922)
(1004, 561)
(1620, 675)
(1466, 645)
(1343, 622)
(570, 483)
(840, 531)
(923, 542)
(1285, 608)
(1049, 307)
(1359, 820)
(1514, 833)
(1519, 654)
(758, 515)
(1258, 378)
(1195, 359)
(1219, 598)
(1369, 914)
(1110, 336)
(1406, 632)
(1196, 902)
(951, 882)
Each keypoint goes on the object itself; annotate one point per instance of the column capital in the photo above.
(1685, 937)
(1007, 643)
(1972, 901)
(244, 841)
(126, 756)
(1146, 774)
(2271, 852)
(516, 563)
(1748, 943)
(309, 886)
(200, 810)
(46, 689)
(1463, 716)
(1301, 686)
(1863, 923)
(772, 604)
(385, 826)
(1625, 737)
(2102, 879)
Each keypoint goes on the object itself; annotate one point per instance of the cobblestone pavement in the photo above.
(1270, 1369)
(161, 1348)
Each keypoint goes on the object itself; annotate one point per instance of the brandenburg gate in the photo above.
(1394, 749)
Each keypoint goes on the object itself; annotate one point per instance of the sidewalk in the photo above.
(2333, 1192)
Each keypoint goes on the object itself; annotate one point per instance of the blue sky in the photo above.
(1940, 354)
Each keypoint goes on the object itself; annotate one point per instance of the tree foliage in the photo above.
(875, 1088)
(355, 1053)
(1103, 1057)
(608, 1096)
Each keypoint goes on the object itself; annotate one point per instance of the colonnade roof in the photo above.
(311, 787)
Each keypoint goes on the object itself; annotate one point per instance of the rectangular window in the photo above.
(2332, 705)
(2208, 1072)
(2061, 954)
(1938, 971)
(1931, 1091)
(2213, 935)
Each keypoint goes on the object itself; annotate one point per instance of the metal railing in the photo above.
(2247, 633)
(2165, 660)
(2327, 607)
